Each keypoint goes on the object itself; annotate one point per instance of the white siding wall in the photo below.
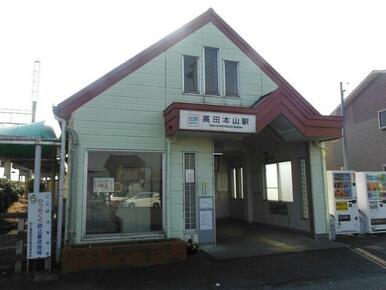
(203, 149)
(319, 192)
(128, 116)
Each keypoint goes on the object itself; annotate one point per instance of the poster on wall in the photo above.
(206, 233)
(189, 175)
(103, 184)
(206, 220)
(206, 203)
(39, 225)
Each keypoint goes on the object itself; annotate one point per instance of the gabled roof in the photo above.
(351, 97)
(65, 108)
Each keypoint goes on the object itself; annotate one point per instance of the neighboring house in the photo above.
(203, 121)
(365, 127)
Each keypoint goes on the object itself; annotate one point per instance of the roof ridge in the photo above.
(66, 107)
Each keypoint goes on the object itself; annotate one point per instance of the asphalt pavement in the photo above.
(339, 268)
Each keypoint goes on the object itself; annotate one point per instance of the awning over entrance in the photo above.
(283, 111)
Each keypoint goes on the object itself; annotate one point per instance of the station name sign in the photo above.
(215, 121)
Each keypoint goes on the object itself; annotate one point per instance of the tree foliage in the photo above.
(10, 192)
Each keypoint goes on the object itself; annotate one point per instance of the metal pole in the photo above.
(61, 192)
(33, 111)
(344, 149)
(7, 169)
(38, 158)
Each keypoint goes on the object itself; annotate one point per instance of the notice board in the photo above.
(39, 225)
(206, 221)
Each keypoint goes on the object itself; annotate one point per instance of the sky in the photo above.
(313, 44)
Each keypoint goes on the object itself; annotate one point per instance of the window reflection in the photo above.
(124, 192)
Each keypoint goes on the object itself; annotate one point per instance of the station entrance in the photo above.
(263, 193)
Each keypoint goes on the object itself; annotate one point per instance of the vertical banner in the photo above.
(39, 225)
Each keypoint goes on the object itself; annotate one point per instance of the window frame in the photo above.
(218, 72)
(379, 119)
(198, 58)
(266, 183)
(192, 230)
(265, 195)
(237, 75)
(307, 193)
(116, 237)
(237, 183)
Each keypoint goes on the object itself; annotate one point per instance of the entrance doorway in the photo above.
(262, 194)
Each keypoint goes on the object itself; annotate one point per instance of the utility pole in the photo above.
(35, 88)
(344, 148)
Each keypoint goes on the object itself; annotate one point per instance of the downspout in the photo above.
(70, 218)
(61, 188)
(168, 166)
(322, 149)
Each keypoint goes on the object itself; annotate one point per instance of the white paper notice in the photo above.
(206, 203)
(189, 175)
(206, 220)
(104, 184)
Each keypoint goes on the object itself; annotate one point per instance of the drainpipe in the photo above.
(170, 140)
(61, 189)
(322, 149)
(70, 218)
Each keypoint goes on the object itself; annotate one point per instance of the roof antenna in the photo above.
(35, 88)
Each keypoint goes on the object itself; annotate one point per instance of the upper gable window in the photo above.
(190, 74)
(211, 71)
(231, 78)
(382, 119)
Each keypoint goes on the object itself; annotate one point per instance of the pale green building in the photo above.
(198, 128)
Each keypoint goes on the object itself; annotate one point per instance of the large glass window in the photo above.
(124, 192)
(278, 180)
(231, 78)
(190, 74)
(211, 71)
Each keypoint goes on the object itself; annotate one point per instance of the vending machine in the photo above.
(372, 200)
(343, 205)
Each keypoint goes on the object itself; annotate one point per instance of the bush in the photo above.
(10, 191)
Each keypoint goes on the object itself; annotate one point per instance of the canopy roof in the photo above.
(18, 143)
(35, 130)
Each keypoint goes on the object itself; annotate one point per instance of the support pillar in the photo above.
(38, 159)
(7, 169)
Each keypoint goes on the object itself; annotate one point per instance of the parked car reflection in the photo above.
(117, 198)
(144, 199)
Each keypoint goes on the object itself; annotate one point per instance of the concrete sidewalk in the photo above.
(237, 239)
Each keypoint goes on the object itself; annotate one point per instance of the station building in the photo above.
(195, 130)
